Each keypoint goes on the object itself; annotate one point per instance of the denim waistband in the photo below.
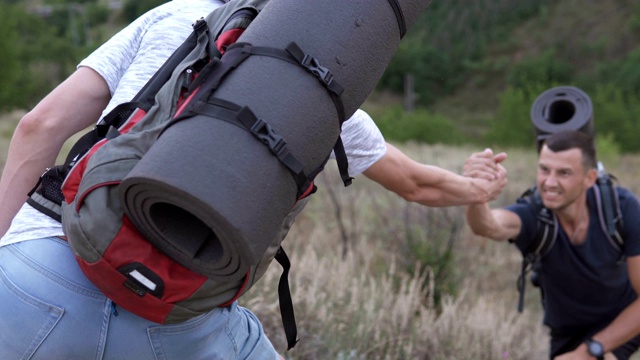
(51, 257)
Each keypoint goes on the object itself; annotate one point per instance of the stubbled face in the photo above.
(562, 177)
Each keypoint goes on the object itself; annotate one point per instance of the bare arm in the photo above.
(431, 185)
(40, 134)
(624, 327)
(496, 224)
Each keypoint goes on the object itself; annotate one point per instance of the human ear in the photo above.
(591, 177)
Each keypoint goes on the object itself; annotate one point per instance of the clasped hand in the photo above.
(486, 168)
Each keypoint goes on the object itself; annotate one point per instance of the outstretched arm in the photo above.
(40, 134)
(432, 185)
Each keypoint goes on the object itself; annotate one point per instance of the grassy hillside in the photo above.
(579, 37)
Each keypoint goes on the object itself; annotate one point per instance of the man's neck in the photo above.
(574, 220)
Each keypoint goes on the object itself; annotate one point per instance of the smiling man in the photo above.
(590, 288)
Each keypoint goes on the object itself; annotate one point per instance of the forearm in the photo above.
(623, 328)
(480, 220)
(435, 186)
(495, 224)
(431, 185)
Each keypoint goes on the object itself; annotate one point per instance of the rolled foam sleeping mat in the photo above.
(210, 194)
(562, 108)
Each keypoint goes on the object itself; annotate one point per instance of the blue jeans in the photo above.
(50, 310)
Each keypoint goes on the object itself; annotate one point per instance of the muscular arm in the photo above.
(40, 134)
(431, 185)
(496, 224)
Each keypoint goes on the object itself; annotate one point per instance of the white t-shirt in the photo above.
(134, 54)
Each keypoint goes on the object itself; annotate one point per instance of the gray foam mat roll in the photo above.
(219, 182)
(562, 108)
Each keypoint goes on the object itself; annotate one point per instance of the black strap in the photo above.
(243, 117)
(150, 89)
(343, 163)
(522, 282)
(545, 238)
(295, 54)
(286, 304)
(609, 210)
(607, 205)
(397, 10)
(323, 74)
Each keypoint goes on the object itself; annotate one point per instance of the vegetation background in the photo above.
(375, 277)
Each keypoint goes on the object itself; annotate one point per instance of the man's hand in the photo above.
(484, 165)
(486, 171)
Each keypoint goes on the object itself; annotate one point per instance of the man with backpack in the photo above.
(51, 310)
(589, 285)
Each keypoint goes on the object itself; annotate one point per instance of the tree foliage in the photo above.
(134, 8)
(33, 58)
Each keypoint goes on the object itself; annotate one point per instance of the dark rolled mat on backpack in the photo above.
(211, 195)
(562, 108)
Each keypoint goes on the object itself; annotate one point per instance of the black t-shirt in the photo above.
(584, 284)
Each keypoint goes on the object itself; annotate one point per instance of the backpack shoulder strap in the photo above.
(547, 227)
(609, 213)
(545, 238)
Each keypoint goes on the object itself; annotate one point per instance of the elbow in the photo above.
(37, 126)
(480, 232)
(32, 123)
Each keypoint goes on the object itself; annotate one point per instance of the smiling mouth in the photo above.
(551, 194)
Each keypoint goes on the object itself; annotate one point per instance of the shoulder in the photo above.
(526, 211)
(628, 203)
(361, 132)
(363, 142)
(129, 58)
(625, 194)
(359, 124)
(528, 215)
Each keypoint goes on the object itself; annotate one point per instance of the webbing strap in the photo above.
(545, 238)
(323, 74)
(244, 118)
(148, 92)
(235, 54)
(284, 298)
(343, 164)
(608, 211)
(522, 282)
(397, 10)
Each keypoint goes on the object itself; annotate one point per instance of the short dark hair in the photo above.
(571, 139)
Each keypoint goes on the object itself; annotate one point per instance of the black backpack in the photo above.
(609, 215)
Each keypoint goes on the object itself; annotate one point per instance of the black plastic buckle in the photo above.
(199, 24)
(268, 136)
(312, 64)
